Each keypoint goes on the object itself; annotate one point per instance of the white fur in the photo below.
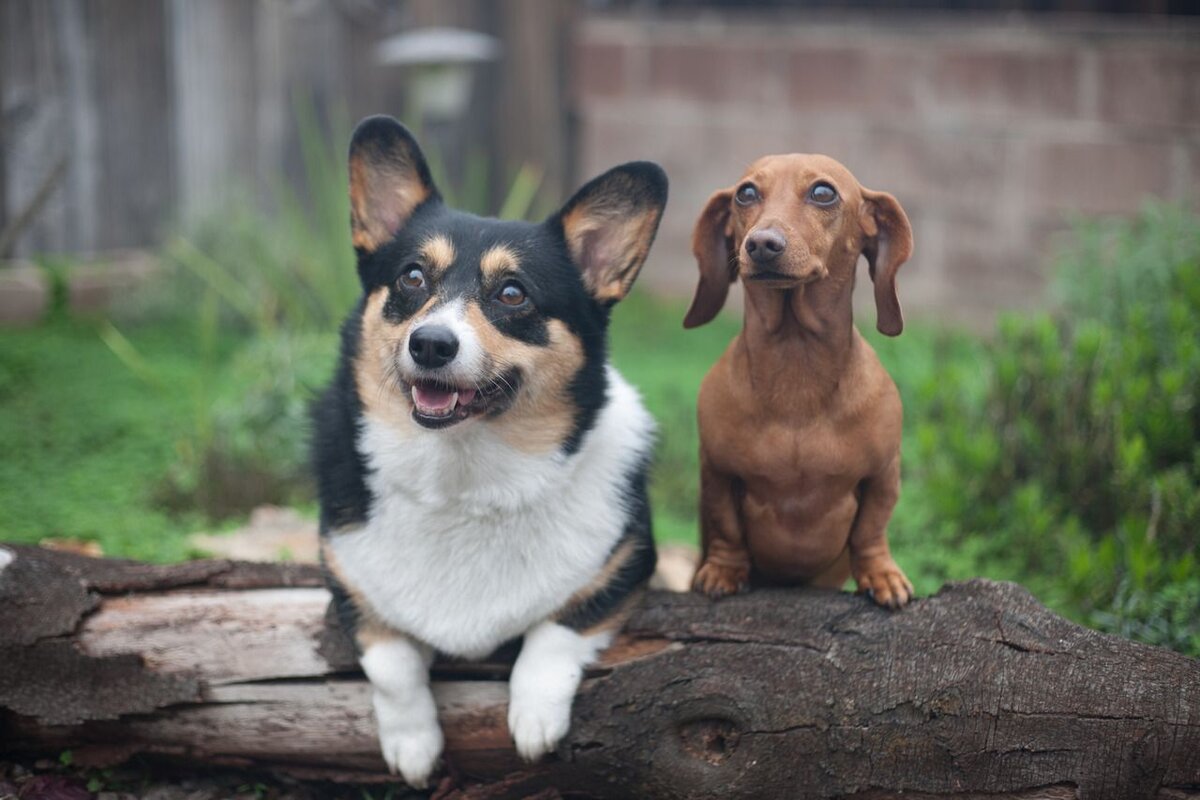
(6, 558)
(409, 734)
(470, 542)
(543, 685)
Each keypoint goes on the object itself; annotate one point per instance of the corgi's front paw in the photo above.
(413, 752)
(537, 721)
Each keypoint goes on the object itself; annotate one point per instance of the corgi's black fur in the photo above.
(481, 467)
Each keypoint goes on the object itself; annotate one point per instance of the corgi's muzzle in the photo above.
(449, 376)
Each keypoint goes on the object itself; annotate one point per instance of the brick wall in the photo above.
(992, 137)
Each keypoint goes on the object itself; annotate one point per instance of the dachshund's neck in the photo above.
(809, 328)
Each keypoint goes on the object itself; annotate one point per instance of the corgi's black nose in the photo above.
(433, 346)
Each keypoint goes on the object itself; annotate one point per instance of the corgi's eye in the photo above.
(412, 278)
(511, 294)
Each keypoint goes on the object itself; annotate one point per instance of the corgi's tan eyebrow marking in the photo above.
(438, 252)
(498, 259)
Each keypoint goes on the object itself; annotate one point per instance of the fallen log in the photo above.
(976, 691)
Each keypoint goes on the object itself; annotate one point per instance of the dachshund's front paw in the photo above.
(719, 580)
(882, 580)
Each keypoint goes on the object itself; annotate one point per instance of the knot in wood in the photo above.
(713, 740)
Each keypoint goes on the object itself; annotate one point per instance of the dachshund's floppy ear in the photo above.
(888, 244)
(712, 244)
(388, 180)
(610, 224)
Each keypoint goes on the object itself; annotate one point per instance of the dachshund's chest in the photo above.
(773, 434)
(804, 454)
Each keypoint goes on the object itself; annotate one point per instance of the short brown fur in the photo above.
(498, 260)
(799, 422)
(438, 252)
(378, 389)
(544, 414)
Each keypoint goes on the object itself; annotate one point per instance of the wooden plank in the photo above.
(225, 637)
(35, 106)
(532, 116)
(133, 109)
(212, 60)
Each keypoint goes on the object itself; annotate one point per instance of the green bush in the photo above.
(253, 445)
(1080, 470)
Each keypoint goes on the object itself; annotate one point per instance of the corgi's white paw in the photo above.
(405, 712)
(543, 683)
(413, 752)
(537, 721)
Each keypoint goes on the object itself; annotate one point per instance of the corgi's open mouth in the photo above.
(437, 404)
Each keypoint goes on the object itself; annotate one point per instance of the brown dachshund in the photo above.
(799, 422)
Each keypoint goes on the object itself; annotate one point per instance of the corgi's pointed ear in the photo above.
(389, 179)
(610, 224)
(888, 244)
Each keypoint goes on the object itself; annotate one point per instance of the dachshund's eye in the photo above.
(511, 294)
(747, 193)
(823, 194)
(412, 278)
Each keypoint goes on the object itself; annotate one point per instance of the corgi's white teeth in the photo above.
(439, 405)
(434, 402)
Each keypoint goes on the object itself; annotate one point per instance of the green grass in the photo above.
(86, 443)
(89, 444)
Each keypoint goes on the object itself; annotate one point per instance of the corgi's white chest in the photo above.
(469, 543)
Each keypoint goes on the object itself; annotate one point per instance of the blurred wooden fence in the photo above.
(120, 117)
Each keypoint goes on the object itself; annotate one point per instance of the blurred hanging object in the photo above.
(443, 63)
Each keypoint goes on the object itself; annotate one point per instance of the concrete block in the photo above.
(875, 81)
(599, 70)
(1000, 84)
(1151, 86)
(1112, 177)
(93, 287)
(24, 294)
(735, 73)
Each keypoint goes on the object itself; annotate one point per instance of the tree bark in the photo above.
(976, 691)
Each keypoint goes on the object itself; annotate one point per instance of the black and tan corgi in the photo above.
(481, 465)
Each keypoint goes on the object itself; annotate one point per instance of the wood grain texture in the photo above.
(977, 691)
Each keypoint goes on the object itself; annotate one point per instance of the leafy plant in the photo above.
(1085, 451)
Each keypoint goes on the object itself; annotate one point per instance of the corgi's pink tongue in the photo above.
(435, 400)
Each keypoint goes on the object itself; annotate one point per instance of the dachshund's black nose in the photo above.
(433, 346)
(765, 245)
